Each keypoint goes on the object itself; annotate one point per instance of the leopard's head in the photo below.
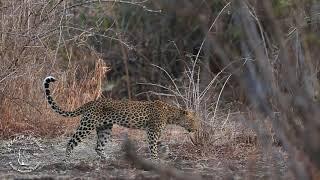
(181, 117)
(189, 120)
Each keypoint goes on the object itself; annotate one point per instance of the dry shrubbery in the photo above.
(280, 77)
(269, 47)
(32, 47)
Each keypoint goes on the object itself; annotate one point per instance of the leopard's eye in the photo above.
(184, 112)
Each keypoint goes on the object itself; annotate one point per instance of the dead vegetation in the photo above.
(249, 69)
(30, 50)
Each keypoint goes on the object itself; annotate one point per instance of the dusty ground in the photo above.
(29, 157)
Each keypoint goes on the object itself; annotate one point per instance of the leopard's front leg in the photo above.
(153, 135)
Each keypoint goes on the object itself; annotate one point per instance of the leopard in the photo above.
(103, 113)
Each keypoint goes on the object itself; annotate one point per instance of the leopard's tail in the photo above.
(53, 104)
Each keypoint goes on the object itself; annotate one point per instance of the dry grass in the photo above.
(273, 60)
(30, 42)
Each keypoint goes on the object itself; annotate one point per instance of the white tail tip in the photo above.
(49, 79)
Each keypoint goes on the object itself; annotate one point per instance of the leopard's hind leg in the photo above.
(84, 129)
(103, 136)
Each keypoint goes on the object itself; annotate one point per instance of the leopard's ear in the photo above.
(161, 104)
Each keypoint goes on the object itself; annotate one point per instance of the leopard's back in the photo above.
(126, 113)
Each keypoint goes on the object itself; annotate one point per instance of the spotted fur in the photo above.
(102, 114)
